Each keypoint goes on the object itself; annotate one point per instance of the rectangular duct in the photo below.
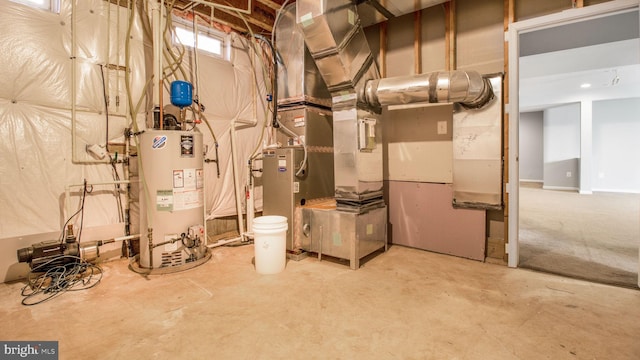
(376, 11)
(299, 80)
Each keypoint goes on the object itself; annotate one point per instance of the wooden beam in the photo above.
(250, 19)
(417, 42)
(235, 24)
(509, 13)
(450, 35)
(578, 3)
(383, 49)
(269, 3)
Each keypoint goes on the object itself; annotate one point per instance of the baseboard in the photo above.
(617, 191)
(532, 181)
(564, 188)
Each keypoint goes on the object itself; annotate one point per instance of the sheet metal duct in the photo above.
(468, 88)
(334, 36)
(332, 30)
(375, 11)
(299, 80)
(335, 39)
(337, 43)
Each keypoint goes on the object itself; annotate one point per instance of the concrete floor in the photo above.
(592, 237)
(403, 304)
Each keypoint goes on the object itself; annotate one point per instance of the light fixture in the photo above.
(585, 85)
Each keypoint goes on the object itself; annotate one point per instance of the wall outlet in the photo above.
(568, 173)
(442, 127)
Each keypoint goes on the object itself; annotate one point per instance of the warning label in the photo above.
(187, 189)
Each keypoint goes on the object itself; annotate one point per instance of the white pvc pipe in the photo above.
(128, 237)
(73, 81)
(225, 242)
(156, 27)
(108, 60)
(250, 203)
(236, 177)
(253, 122)
(67, 190)
(74, 90)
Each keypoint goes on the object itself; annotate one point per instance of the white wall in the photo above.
(562, 146)
(531, 153)
(616, 145)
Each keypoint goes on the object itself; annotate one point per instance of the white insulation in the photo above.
(35, 113)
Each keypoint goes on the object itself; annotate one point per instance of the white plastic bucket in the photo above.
(270, 243)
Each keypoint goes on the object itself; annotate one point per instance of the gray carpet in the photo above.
(593, 237)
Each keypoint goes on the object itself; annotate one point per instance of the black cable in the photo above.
(106, 105)
(84, 193)
(116, 177)
(274, 79)
(75, 275)
(67, 222)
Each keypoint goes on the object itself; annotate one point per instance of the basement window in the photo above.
(210, 42)
(50, 5)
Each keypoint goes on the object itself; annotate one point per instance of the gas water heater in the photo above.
(172, 199)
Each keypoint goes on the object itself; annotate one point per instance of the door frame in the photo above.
(513, 107)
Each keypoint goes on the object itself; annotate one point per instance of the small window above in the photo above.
(50, 5)
(210, 42)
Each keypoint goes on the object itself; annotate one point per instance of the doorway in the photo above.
(574, 97)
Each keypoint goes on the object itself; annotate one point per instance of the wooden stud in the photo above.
(450, 35)
(417, 42)
(383, 49)
(250, 19)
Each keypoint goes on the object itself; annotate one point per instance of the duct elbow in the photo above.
(469, 89)
(481, 97)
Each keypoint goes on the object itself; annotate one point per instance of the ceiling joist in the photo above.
(236, 14)
(271, 4)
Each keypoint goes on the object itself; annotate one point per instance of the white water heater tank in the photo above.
(172, 202)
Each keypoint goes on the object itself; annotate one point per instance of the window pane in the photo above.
(209, 44)
(206, 42)
(184, 36)
(42, 4)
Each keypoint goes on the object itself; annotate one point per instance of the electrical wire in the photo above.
(116, 177)
(84, 193)
(106, 103)
(303, 163)
(115, 171)
(74, 275)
